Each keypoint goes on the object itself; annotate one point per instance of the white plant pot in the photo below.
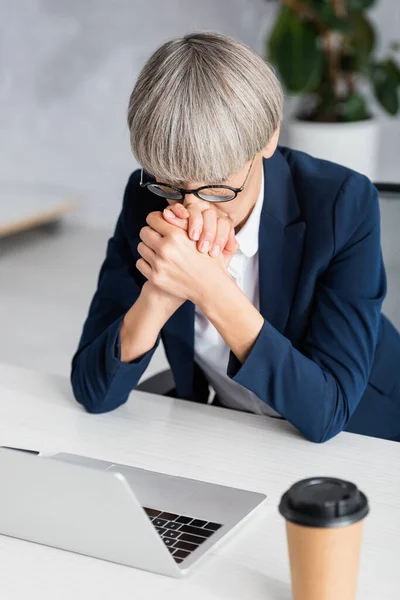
(354, 145)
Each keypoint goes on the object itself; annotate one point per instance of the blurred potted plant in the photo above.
(323, 50)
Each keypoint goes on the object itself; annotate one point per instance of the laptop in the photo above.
(131, 516)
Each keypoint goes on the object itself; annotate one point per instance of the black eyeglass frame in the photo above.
(183, 192)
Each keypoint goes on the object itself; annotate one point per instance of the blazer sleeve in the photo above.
(318, 386)
(100, 381)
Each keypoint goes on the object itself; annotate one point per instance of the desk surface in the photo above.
(213, 444)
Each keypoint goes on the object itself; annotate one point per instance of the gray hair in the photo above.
(203, 105)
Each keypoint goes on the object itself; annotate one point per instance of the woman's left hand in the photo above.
(215, 231)
(172, 262)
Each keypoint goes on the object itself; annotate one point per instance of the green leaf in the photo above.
(363, 36)
(385, 87)
(393, 68)
(354, 108)
(294, 49)
(395, 46)
(276, 33)
(327, 15)
(360, 5)
(338, 24)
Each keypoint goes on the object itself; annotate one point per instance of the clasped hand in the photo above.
(178, 250)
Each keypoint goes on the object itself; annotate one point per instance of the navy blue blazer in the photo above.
(325, 359)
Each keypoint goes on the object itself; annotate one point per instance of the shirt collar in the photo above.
(247, 237)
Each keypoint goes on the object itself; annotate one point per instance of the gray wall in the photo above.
(67, 68)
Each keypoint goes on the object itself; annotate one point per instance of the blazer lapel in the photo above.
(281, 236)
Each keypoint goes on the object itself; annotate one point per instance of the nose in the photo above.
(193, 200)
(190, 199)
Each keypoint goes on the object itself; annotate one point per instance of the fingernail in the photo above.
(214, 251)
(195, 234)
(205, 246)
(168, 213)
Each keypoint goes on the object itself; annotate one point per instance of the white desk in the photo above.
(232, 448)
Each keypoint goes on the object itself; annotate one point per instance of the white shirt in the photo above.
(211, 351)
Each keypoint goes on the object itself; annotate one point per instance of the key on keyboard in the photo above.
(169, 541)
(170, 533)
(159, 522)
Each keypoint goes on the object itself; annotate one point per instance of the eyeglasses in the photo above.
(210, 193)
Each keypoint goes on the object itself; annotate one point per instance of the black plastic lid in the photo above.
(324, 502)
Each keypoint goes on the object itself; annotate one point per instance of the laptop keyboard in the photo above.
(181, 534)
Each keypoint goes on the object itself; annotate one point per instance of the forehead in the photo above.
(234, 180)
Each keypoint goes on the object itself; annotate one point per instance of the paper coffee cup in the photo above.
(324, 521)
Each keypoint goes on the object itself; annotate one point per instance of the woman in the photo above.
(259, 267)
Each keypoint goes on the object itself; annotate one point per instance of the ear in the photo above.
(272, 143)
